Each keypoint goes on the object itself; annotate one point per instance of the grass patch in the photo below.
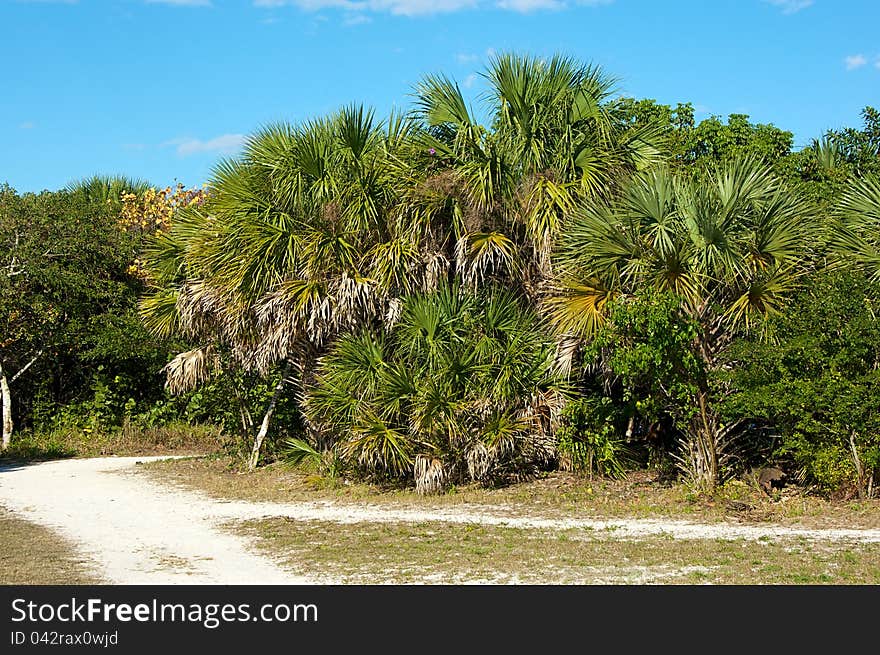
(556, 495)
(34, 555)
(450, 554)
(129, 440)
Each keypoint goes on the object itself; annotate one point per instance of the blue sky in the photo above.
(161, 89)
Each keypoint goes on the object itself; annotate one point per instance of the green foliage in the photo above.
(692, 146)
(827, 168)
(649, 343)
(860, 149)
(367, 255)
(66, 296)
(460, 388)
(99, 190)
(69, 440)
(648, 349)
(588, 437)
(731, 244)
(818, 383)
(714, 141)
(69, 297)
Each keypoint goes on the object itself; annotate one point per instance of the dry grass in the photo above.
(557, 495)
(452, 554)
(33, 555)
(174, 439)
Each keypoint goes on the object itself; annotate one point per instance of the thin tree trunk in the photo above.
(26, 366)
(860, 468)
(7, 400)
(267, 417)
(7, 409)
(703, 443)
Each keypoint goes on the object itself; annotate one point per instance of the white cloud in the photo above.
(790, 6)
(469, 80)
(525, 6)
(27, 125)
(854, 61)
(400, 7)
(224, 144)
(177, 3)
(355, 19)
(423, 7)
(181, 3)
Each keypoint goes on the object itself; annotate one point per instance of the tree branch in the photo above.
(26, 367)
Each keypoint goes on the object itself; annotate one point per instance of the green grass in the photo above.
(555, 495)
(450, 553)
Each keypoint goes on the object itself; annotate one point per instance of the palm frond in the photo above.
(190, 369)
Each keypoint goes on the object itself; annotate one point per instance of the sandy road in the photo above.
(138, 531)
(134, 531)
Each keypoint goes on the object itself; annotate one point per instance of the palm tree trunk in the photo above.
(267, 417)
(7, 409)
(705, 439)
(701, 458)
(709, 442)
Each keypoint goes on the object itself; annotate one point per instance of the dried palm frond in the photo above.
(392, 314)
(567, 347)
(479, 460)
(436, 266)
(190, 369)
(481, 254)
(430, 474)
(357, 299)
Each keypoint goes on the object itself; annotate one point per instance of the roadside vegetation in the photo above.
(585, 288)
(552, 495)
(398, 553)
(35, 555)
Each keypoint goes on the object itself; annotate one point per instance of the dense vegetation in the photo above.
(586, 282)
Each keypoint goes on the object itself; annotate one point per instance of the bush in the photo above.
(459, 389)
(588, 438)
(818, 383)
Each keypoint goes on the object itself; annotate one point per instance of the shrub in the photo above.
(459, 389)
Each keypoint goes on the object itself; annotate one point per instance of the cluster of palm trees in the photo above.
(363, 260)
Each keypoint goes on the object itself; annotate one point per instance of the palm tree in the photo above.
(461, 388)
(104, 189)
(731, 245)
(552, 144)
(856, 228)
(300, 239)
(322, 228)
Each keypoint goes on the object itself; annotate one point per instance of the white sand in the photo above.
(138, 531)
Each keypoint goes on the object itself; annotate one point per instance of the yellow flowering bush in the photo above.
(152, 211)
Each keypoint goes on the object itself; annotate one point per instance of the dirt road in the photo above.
(137, 531)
